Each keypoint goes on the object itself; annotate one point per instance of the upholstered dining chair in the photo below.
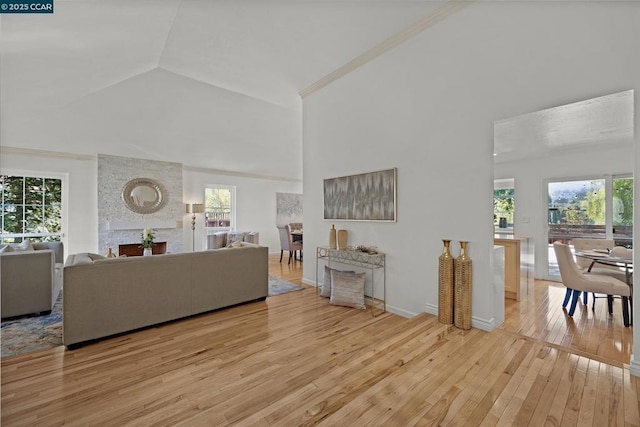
(585, 264)
(603, 244)
(287, 243)
(576, 281)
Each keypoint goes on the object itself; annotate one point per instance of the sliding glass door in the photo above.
(598, 208)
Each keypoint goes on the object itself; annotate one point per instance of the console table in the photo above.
(359, 259)
(134, 249)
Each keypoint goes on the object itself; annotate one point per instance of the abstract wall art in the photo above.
(364, 197)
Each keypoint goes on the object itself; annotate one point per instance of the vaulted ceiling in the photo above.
(211, 84)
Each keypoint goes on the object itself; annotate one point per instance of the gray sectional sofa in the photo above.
(103, 297)
(30, 280)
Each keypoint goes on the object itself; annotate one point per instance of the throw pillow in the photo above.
(24, 246)
(218, 240)
(5, 248)
(234, 236)
(325, 289)
(347, 289)
(95, 257)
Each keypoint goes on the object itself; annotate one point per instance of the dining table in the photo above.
(602, 256)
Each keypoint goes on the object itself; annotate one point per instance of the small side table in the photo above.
(359, 259)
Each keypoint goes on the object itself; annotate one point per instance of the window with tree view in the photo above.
(218, 207)
(31, 208)
(503, 207)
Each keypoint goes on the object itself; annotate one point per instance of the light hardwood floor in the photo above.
(296, 360)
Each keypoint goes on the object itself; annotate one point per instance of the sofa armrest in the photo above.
(56, 247)
(28, 282)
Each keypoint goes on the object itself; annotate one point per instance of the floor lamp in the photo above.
(193, 209)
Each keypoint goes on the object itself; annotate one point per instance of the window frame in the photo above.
(64, 184)
(232, 214)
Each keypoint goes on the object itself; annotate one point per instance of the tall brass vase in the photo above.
(445, 285)
(462, 289)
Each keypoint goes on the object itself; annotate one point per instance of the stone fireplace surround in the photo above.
(118, 225)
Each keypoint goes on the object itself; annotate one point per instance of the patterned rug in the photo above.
(31, 333)
(278, 286)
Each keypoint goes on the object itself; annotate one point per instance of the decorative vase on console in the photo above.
(332, 237)
(147, 252)
(342, 240)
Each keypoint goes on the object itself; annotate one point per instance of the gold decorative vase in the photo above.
(342, 240)
(445, 285)
(110, 254)
(332, 237)
(462, 289)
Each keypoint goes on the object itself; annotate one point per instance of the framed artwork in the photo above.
(365, 197)
(288, 208)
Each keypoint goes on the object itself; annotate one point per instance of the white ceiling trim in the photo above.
(239, 174)
(89, 157)
(44, 153)
(432, 18)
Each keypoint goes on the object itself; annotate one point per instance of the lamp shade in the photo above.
(194, 208)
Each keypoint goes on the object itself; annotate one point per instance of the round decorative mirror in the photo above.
(144, 195)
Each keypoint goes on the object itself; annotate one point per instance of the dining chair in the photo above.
(581, 245)
(577, 281)
(587, 265)
(287, 243)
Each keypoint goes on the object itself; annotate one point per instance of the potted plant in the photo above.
(147, 241)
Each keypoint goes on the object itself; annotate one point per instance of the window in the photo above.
(31, 208)
(599, 208)
(503, 207)
(577, 208)
(622, 211)
(219, 208)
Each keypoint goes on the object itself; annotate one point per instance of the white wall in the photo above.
(427, 107)
(81, 217)
(255, 204)
(531, 192)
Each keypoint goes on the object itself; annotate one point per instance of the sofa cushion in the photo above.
(78, 259)
(18, 247)
(234, 236)
(252, 237)
(217, 240)
(347, 289)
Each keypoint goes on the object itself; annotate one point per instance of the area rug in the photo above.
(31, 333)
(278, 286)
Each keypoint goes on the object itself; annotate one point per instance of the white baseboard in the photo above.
(431, 309)
(309, 282)
(400, 311)
(476, 322)
(634, 367)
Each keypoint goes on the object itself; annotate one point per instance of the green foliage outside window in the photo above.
(623, 201)
(503, 205)
(218, 207)
(30, 205)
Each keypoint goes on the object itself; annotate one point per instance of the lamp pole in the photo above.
(193, 209)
